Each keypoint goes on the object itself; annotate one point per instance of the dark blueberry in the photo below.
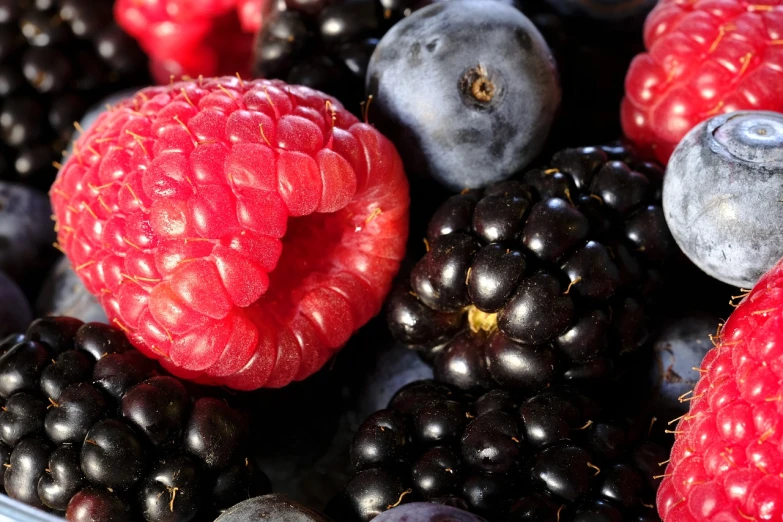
(100, 339)
(491, 443)
(158, 408)
(27, 464)
(494, 400)
(438, 279)
(75, 411)
(372, 492)
(117, 373)
(592, 272)
(22, 415)
(548, 419)
(581, 164)
(606, 439)
(93, 504)
(620, 188)
(538, 311)
(70, 367)
(113, 455)
(535, 507)
(238, 482)
(622, 484)
(62, 479)
(454, 215)
(15, 311)
(550, 183)
(412, 397)
(380, 441)
(414, 323)
(585, 340)
(21, 367)
(462, 363)
(499, 218)
(55, 332)
(214, 432)
(494, 275)
(646, 230)
(171, 491)
(436, 473)
(553, 228)
(487, 494)
(520, 366)
(565, 471)
(597, 511)
(439, 422)
(498, 88)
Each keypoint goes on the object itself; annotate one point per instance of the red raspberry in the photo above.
(240, 232)
(705, 57)
(727, 460)
(188, 37)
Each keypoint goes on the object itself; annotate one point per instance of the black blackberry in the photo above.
(554, 456)
(57, 58)
(92, 428)
(325, 44)
(539, 279)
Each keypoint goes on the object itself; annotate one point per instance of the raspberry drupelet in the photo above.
(705, 57)
(238, 231)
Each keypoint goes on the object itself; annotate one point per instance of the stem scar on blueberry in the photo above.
(478, 86)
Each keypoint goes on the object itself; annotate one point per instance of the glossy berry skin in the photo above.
(325, 45)
(511, 458)
(544, 279)
(56, 58)
(93, 430)
(63, 293)
(499, 91)
(704, 58)
(734, 414)
(195, 206)
(188, 39)
(719, 195)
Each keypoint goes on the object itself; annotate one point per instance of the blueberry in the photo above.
(721, 195)
(273, 507)
(426, 512)
(466, 90)
(15, 312)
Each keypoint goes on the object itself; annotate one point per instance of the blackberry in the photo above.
(92, 429)
(541, 279)
(325, 45)
(57, 58)
(552, 456)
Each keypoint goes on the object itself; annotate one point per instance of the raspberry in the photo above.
(178, 204)
(727, 459)
(704, 57)
(187, 38)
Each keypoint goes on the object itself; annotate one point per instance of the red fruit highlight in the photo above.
(239, 231)
(705, 57)
(728, 455)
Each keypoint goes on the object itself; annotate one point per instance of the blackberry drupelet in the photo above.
(91, 428)
(57, 58)
(325, 45)
(552, 457)
(540, 279)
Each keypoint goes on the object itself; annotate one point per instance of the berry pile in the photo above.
(239, 231)
(540, 279)
(57, 58)
(92, 428)
(550, 457)
(325, 45)
(704, 58)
